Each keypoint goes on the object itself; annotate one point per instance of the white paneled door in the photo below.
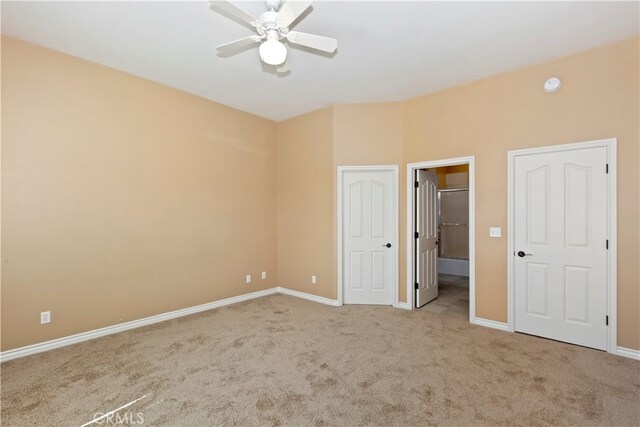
(560, 242)
(369, 236)
(427, 237)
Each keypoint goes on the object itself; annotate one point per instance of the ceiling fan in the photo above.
(272, 27)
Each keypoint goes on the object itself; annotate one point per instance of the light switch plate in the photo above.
(495, 232)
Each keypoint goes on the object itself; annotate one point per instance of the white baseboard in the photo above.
(121, 327)
(97, 333)
(620, 351)
(628, 352)
(403, 305)
(490, 324)
(310, 297)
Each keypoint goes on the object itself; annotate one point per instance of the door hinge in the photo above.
(416, 234)
(416, 184)
(417, 286)
(606, 169)
(607, 320)
(607, 244)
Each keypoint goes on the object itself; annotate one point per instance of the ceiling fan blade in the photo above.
(290, 11)
(240, 43)
(230, 9)
(326, 44)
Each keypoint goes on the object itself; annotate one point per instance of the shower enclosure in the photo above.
(453, 230)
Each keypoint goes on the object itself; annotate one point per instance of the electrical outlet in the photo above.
(248, 278)
(45, 317)
(264, 275)
(314, 280)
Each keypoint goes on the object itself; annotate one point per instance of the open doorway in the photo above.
(441, 227)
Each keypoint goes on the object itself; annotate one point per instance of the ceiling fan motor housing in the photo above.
(273, 5)
(268, 20)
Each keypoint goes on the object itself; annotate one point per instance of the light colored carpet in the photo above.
(285, 361)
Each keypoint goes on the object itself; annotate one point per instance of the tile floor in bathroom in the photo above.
(453, 297)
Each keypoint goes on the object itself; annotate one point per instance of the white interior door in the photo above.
(369, 236)
(560, 206)
(427, 237)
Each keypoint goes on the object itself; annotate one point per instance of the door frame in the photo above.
(610, 145)
(411, 244)
(381, 168)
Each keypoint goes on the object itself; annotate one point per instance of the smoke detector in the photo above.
(552, 85)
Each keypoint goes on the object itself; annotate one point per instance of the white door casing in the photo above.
(411, 241)
(368, 235)
(427, 237)
(560, 245)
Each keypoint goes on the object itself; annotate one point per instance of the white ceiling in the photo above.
(387, 51)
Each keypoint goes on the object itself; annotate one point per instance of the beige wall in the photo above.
(598, 99)
(305, 203)
(310, 147)
(122, 198)
(453, 176)
(126, 195)
(368, 134)
(486, 118)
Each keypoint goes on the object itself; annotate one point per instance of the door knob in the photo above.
(387, 245)
(521, 254)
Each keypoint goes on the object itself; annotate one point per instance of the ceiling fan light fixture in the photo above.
(273, 52)
(271, 27)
